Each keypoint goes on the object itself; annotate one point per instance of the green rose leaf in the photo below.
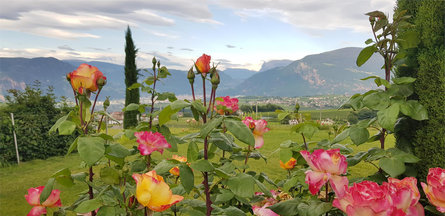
(387, 118)
(342, 136)
(359, 135)
(187, 178)
(91, 149)
(285, 154)
(376, 100)
(286, 208)
(414, 109)
(46, 192)
(131, 107)
(242, 185)
(109, 175)
(192, 152)
(365, 54)
(240, 131)
(393, 166)
(224, 196)
(202, 165)
(67, 128)
(308, 129)
(403, 80)
(88, 205)
(352, 161)
(164, 166)
(209, 126)
(63, 177)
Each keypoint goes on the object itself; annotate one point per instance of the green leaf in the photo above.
(72, 146)
(263, 188)
(282, 115)
(58, 123)
(286, 208)
(285, 155)
(242, 185)
(234, 211)
(368, 41)
(240, 131)
(352, 161)
(67, 128)
(131, 107)
(224, 196)
(359, 135)
(63, 177)
(209, 126)
(365, 54)
(106, 210)
(393, 166)
(91, 149)
(46, 192)
(165, 115)
(109, 175)
(376, 154)
(379, 81)
(202, 165)
(342, 136)
(222, 141)
(404, 90)
(414, 109)
(135, 86)
(356, 102)
(315, 208)
(199, 106)
(179, 104)
(308, 129)
(164, 166)
(192, 152)
(387, 118)
(376, 100)
(187, 178)
(88, 206)
(403, 80)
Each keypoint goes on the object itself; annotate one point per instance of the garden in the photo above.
(222, 162)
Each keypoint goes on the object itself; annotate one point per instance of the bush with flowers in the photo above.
(132, 182)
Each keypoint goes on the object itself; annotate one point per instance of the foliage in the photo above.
(131, 77)
(34, 114)
(261, 108)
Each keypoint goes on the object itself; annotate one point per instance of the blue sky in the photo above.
(236, 33)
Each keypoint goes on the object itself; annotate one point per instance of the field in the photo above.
(15, 180)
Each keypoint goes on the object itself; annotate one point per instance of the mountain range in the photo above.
(333, 72)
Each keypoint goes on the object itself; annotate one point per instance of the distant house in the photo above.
(119, 116)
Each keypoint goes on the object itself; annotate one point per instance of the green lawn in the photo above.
(15, 180)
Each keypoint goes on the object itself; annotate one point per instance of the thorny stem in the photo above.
(100, 122)
(75, 97)
(305, 144)
(80, 113)
(90, 189)
(247, 158)
(206, 146)
(152, 99)
(95, 100)
(204, 89)
(193, 91)
(210, 101)
(148, 162)
(327, 194)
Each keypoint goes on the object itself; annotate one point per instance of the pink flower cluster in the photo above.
(258, 127)
(33, 198)
(226, 105)
(150, 142)
(326, 165)
(435, 189)
(392, 198)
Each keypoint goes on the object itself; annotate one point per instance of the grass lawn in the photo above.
(15, 180)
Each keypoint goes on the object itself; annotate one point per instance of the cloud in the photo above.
(73, 19)
(99, 49)
(187, 49)
(230, 46)
(170, 47)
(312, 14)
(66, 47)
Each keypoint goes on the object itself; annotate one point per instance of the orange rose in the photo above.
(86, 77)
(203, 64)
(289, 164)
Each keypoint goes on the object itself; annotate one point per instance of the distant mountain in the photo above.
(333, 72)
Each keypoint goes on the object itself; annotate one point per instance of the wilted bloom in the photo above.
(153, 192)
(150, 142)
(203, 64)
(258, 127)
(86, 77)
(226, 105)
(404, 196)
(326, 165)
(290, 164)
(435, 189)
(175, 170)
(33, 198)
(365, 198)
(263, 211)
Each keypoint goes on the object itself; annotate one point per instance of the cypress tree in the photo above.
(426, 139)
(131, 77)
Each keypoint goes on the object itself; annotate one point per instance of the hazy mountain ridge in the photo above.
(332, 72)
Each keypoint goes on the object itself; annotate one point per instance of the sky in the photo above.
(236, 33)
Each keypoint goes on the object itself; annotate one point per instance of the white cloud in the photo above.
(312, 14)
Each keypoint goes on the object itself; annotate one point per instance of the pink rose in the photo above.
(226, 105)
(258, 127)
(435, 189)
(150, 142)
(33, 198)
(263, 211)
(405, 196)
(365, 198)
(326, 165)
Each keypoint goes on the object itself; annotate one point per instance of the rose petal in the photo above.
(316, 180)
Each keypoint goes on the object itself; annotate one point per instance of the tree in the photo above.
(427, 63)
(131, 77)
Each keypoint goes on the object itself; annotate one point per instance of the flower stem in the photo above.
(75, 97)
(95, 100)
(247, 158)
(204, 89)
(152, 99)
(90, 189)
(148, 162)
(193, 92)
(305, 144)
